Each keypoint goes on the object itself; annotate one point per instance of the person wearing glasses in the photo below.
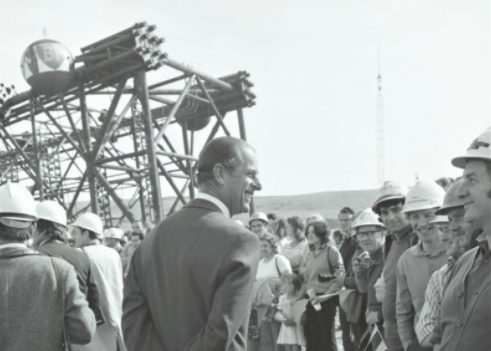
(370, 233)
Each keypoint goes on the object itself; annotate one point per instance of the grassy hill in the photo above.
(326, 203)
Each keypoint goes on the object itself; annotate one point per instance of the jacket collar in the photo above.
(407, 231)
(203, 204)
(215, 201)
(378, 258)
(14, 250)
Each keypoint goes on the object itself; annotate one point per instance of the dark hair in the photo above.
(339, 235)
(293, 279)
(271, 240)
(139, 235)
(279, 228)
(52, 230)
(298, 225)
(389, 203)
(347, 210)
(227, 151)
(444, 182)
(15, 234)
(321, 230)
(92, 235)
(272, 216)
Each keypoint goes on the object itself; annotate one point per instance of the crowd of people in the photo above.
(410, 272)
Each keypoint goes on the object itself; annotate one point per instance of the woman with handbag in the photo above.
(263, 328)
(323, 274)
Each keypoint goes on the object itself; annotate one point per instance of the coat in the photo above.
(30, 307)
(190, 283)
(80, 261)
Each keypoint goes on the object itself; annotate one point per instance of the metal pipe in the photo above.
(180, 67)
(120, 168)
(174, 109)
(37, 155)
(125, 31)
(180, 156)
(142, 92)
(242, 130)
(120, 157)
(217, 113)
(168, 81)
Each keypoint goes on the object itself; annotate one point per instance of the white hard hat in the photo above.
(259, 216)
(367, 217)
(439, 219)
(51, 211)
(480, 149)
(90, 222)
(390, 191)
(17, 206)
(114, 233)
(424, 195)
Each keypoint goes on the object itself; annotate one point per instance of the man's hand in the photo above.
(357, 266)
(289, 322)
(372, 318)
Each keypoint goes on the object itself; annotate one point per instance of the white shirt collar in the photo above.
(215, 201)
(20, 245)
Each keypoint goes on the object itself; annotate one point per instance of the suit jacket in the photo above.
(30, 306)
(80, 261)
(190, 283)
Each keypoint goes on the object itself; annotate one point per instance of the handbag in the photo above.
(65, 345)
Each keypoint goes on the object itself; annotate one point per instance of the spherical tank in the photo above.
(47, 66)
(195, 124)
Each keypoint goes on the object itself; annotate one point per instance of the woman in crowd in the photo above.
(297, 246)
(325, 262)
(279, 231)
(263, 329)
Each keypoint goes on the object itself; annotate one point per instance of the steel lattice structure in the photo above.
(63, 147)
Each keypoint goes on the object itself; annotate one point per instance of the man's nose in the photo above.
(257, 185)
(462, 191)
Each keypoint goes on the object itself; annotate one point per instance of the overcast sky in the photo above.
(314, 66)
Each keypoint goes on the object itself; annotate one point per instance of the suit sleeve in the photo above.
(404, 307)
(79, 319)
(227, 321)
(137, 324)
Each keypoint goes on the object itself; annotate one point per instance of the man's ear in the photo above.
(219, 173)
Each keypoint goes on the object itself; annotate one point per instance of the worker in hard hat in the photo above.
(452, 206)
(259, 224)
(108, 272)
(113, 238)
(39, 295)
(466, 308)
(48, 239)
(370, 234)
(388, 204)
(419, 262)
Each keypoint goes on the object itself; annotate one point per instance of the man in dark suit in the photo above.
(190, 282)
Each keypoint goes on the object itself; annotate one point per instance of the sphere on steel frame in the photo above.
(196, 124)
(47, 66)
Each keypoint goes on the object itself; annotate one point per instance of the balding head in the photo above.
(227, 151)
(227, 170)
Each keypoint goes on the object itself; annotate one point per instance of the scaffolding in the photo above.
(62, 147)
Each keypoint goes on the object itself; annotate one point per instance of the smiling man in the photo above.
(190, 282)
(466, 307)
(418, 263)
(388, 205)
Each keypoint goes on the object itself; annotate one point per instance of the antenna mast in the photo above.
(380, 127)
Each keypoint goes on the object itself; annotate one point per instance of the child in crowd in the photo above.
(291, 335)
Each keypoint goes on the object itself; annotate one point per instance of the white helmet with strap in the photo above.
(89, 221)
(424, 195)
(52, 211)
(390, 191)
(17, 206)
(480, 149)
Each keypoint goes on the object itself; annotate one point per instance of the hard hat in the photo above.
(480, 149)
(51, 211)
(424, 195)
(439, 219)
(451, 199)
(259, 216)
(114, 233)
(90, 222)
(17, 206)
(367, 217)
(389, 191)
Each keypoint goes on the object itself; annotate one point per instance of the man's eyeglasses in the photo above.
(369, 234)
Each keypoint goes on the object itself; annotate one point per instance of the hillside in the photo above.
(326, 203)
